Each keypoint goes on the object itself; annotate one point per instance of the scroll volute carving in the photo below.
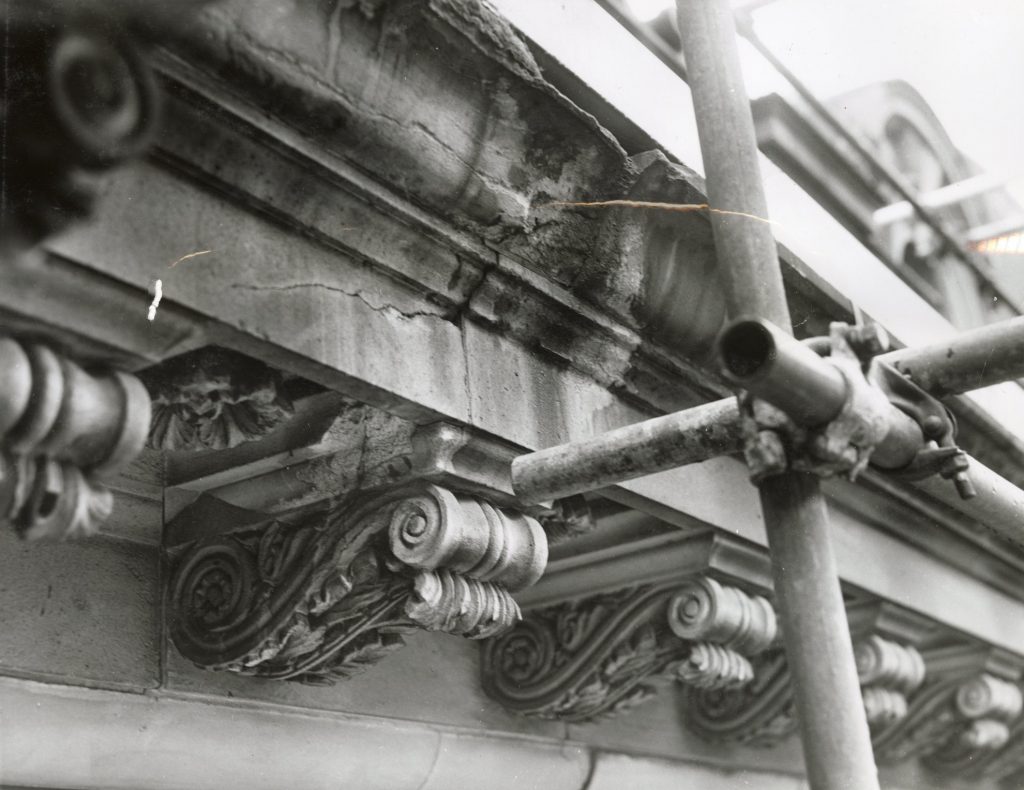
(762, 713)
(959, 718)
(62, 431)
(759, 714)
(322, 599)
(600, 656)
(889, 673)
(212, 399)
(77, 99)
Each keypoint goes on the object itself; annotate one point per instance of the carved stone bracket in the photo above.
(889, 672)
(321, 599)
(953, 722)
(213, 399)
(759, 714)
(597, 657)
(78, 100)
(62, 430)
(762, 714)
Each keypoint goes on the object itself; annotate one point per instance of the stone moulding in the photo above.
(322, 599)
(62, 431)
(583, 660)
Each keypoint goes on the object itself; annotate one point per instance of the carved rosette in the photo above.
(597, 657)
(212, 399)
(62, 430)
(889, 672)
(323, 599)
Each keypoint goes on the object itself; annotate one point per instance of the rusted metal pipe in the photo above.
(636, 450)
(983, 357)
(833, 726)
(998, 504)
(781, 370)
(774, 366)
(973, 359)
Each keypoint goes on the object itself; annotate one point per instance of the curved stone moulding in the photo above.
(322, 600)
(62, 430)
(583, 660)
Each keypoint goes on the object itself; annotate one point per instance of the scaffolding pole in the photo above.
(973, 359)
(833, 726)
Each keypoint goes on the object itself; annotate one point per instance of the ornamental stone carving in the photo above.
(62, 430)
(213, 399)
(953, 722)
(569, 518)
(889, 672)
(78, 99)
(760, 713)
(600, 656)
(322, 598)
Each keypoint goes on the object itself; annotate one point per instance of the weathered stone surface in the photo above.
(82, 612)
(615, 771)
(434, 679)
(476, 134)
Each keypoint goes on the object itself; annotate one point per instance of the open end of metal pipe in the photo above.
(746, 349)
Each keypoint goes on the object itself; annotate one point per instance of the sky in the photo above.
(966, 58)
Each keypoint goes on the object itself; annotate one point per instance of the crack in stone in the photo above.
(377, 308)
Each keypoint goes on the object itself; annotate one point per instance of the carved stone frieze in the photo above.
(212, 399)
(322, 598)
(582, 660)
(62, 430)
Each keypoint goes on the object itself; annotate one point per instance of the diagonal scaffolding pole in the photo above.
(833, 726)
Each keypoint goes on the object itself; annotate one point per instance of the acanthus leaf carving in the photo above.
(598, 657)
(323, 599)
